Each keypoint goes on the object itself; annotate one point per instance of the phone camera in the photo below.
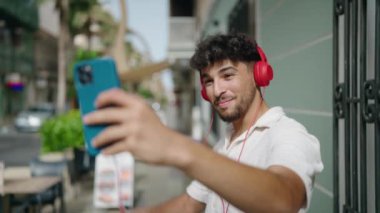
(85, 74)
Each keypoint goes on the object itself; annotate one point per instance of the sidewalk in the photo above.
(6, 125)
(153, 185)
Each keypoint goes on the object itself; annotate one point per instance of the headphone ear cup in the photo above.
(204, 94)
(263, 73)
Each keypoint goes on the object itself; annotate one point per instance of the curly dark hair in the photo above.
(236, 47)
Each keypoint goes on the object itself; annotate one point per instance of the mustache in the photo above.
(219, 98)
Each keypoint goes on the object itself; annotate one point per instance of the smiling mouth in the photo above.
(224, 103)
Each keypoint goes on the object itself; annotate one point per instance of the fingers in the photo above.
(117, 147)
(116, 97)
(110, 134)
(109, 115)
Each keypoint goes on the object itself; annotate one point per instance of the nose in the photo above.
(218, 88)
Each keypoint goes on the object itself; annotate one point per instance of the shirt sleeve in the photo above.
(300, 152)
(198, 191)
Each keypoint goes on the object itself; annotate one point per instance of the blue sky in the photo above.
(149, 18)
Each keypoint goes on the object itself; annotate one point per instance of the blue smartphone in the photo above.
(92, 77)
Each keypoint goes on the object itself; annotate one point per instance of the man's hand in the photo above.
(134, 127)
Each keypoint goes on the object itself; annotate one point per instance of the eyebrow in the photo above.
(203, 75)
(227, 68)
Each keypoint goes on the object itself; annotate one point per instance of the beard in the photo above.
(235, 115)
(239, 110)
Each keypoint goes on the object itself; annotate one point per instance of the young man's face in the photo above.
(230, 87)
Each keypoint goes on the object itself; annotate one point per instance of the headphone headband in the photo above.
(261, 53)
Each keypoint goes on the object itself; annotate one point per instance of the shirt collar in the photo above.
(267, 120)
(270, 117)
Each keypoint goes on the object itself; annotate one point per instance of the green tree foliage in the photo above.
(79, 6)
(146, 93)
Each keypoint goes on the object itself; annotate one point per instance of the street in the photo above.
(17, 149)
(152, 187)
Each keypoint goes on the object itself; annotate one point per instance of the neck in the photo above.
(255, 111)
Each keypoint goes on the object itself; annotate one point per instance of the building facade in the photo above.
(325, 56)
(326, 60)
(182, 36)
(44, 86)
(28, 54)
(18, 23)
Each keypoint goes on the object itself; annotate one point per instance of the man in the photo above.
(267, 162)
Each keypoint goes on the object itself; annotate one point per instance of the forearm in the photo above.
(184, 203)
(248, 188)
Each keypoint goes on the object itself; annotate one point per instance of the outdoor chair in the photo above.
(42, 168)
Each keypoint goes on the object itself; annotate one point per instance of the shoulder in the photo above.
(289, 132)
(286, 126)
(287, 123)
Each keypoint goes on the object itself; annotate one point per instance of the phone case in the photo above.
(92, 77)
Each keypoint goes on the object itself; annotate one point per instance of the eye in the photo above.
(207, 82)
(228, 76)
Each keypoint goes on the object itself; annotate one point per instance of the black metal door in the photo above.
(356, 105)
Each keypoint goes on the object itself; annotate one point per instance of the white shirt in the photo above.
(275, 139)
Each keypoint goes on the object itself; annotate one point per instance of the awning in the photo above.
(138, 74)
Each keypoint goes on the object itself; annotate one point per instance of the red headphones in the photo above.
(262, 73)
